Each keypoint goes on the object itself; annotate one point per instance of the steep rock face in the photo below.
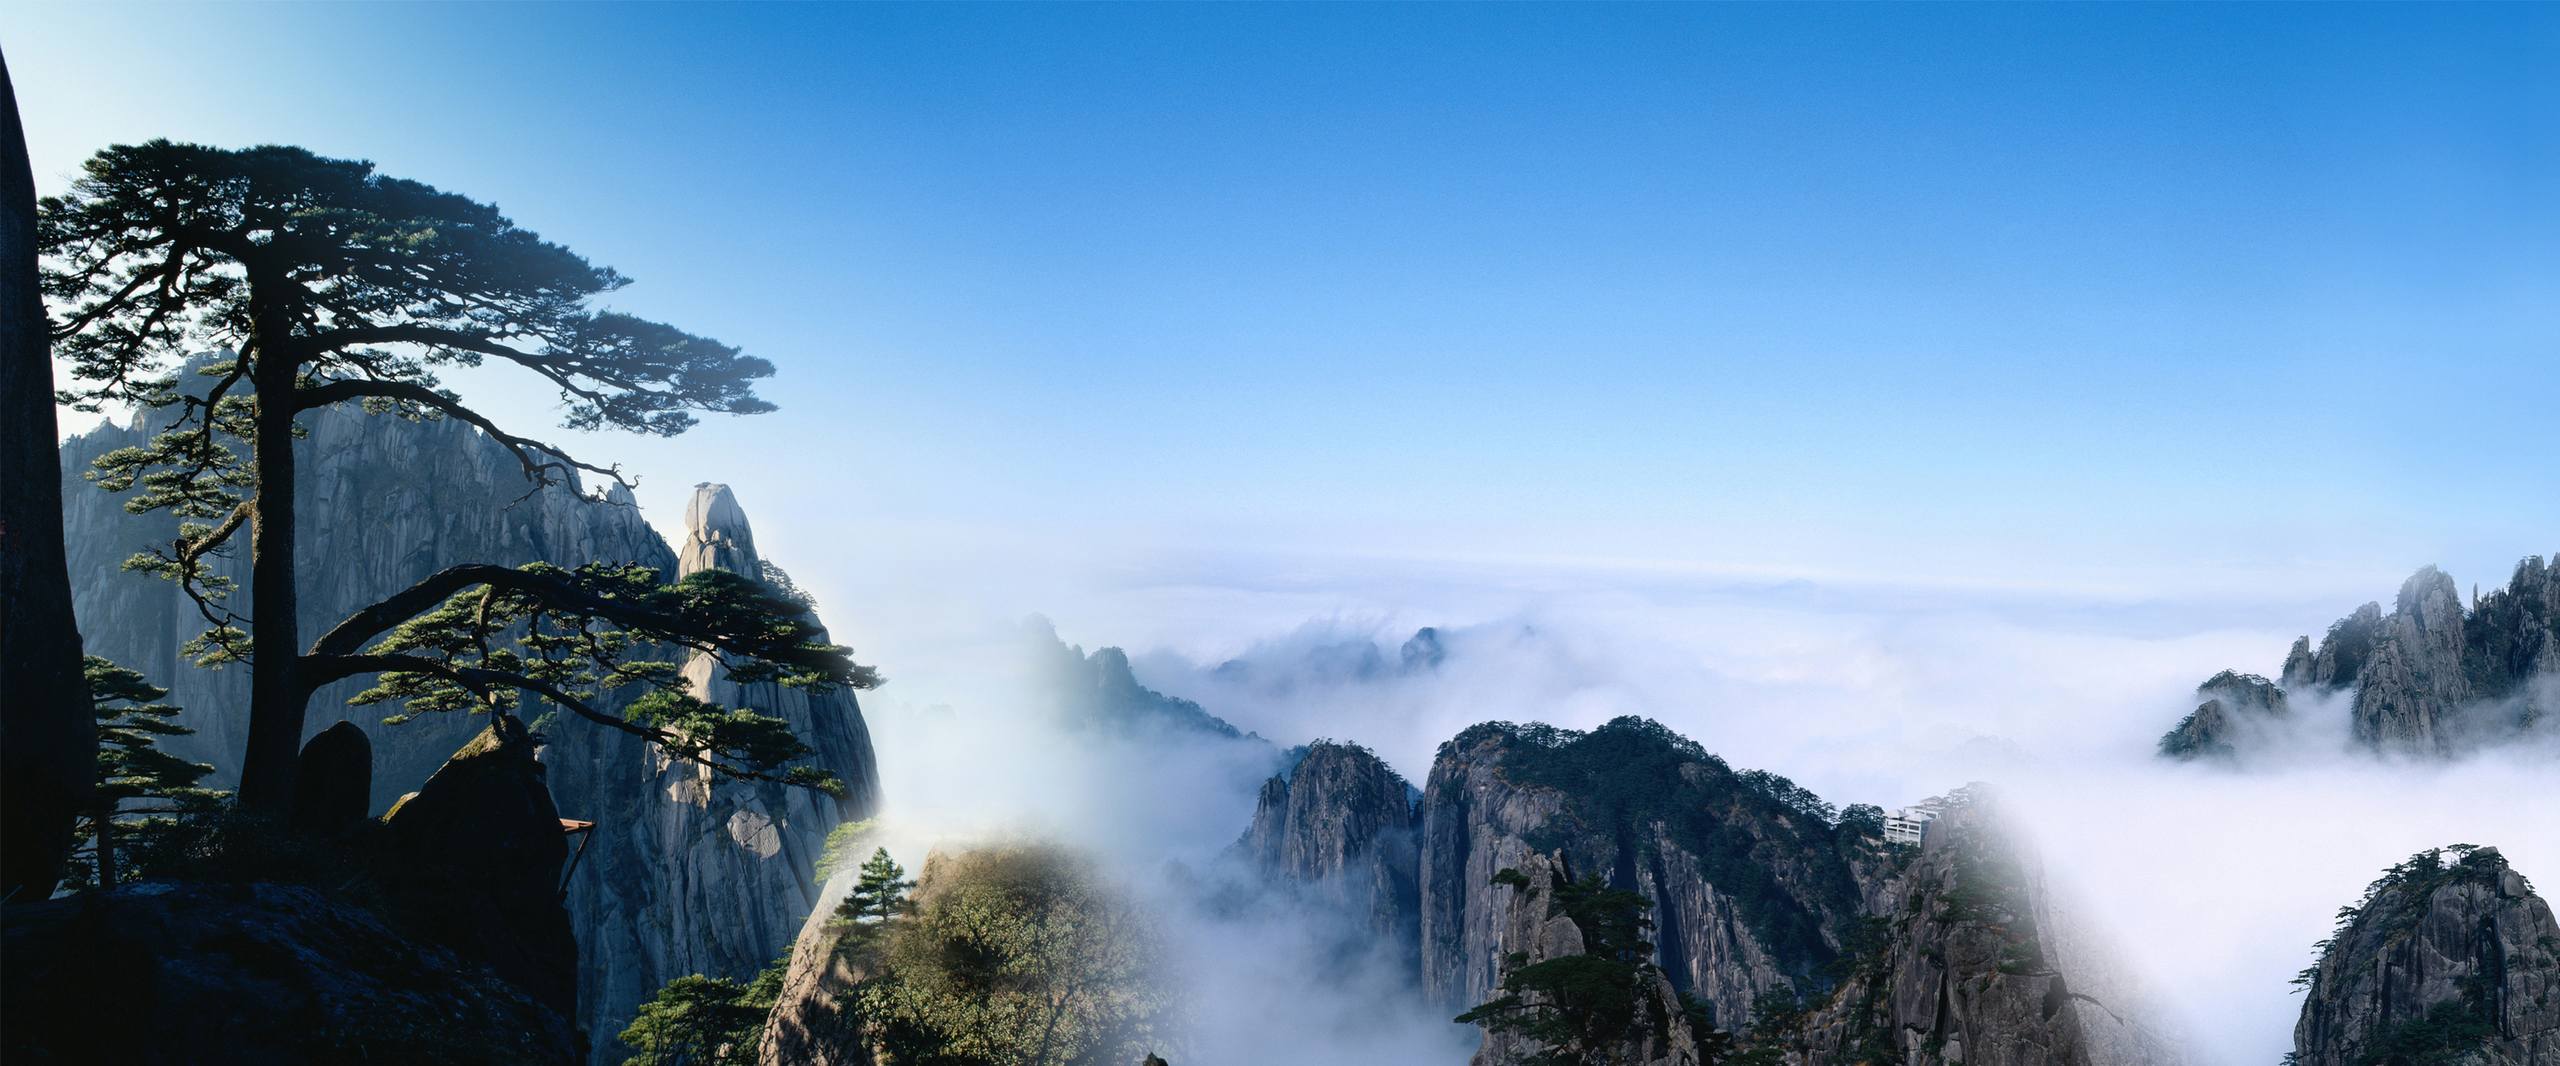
(1751, 893)
(2410, 691)
(1973, 966)
(705, 875)
(1524, 918)
(2428, 679)
(252, 973)
(385, 503)
(382, 503)
(810, 1024)
(705, 836)
(2511, 646)
(2235, 706)
(2454, 962)
(1342, 827)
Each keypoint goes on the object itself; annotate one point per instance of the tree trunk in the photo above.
(105, 816)
(48, 736)
(276, 697)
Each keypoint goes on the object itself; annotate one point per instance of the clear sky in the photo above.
(2105, 295)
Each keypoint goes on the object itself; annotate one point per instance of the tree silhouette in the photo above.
(142, 791)
(325, 283)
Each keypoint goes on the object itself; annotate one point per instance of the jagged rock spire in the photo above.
(717, 535)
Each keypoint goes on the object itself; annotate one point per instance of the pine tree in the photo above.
(322, 283)
(1583, 1008)
(142, 791)
(879, 894)
(697, 1019)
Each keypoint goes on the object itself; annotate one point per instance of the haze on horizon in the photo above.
(1879, 395)
(2132, 302)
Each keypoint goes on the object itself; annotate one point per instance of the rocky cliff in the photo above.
(681, 874)
(2428, 679)
(2236, 709)
(1340, 826)
(1659, 1037)
(2449, 958)
(1973, 964)
(1754, 890)
(812, 1023)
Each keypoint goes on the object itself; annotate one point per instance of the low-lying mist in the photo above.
(2215, 882)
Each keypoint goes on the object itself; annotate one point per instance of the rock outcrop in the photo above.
(2412, 689)
(2429, 679)
(1100, 693)
(333, 788)
(811, 1023)
(2235, 706)
(1753, 890)
(383, 503)
(702, 837)
(479, 852)
(1973, 965)
(2450, 958)
(1526, 920)
(160, 973)
(1341, 828)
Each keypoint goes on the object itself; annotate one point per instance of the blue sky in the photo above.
(2100, 296)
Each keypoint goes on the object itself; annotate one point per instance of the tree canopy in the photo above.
(143, 791)
(1017, 955)
(878, 897)
(1581, 1008)
(321, 282)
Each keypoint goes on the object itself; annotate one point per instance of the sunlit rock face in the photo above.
(813, 1021)
(382, 504)
(1525, 920)
(1750, 893)
(1974, 961)
(2449, 958)
(2430, 679)
(1341, 829)
(682, 874)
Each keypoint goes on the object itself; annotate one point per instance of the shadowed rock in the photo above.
(2454, 962)
(2235, 705)
(261, 974)
(479, 849)
(2428, 679)
(1340, 827)
(333, 789)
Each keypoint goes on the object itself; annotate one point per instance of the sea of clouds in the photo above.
(2214, 884)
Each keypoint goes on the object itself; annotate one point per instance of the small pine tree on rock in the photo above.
(879, 895)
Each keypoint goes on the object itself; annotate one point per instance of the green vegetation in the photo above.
(323, 283)
(2390, 908)
(146, 802)
(879, 896)
(838, 848)
(1015, 955)
(1632, 772)
(696, 1020)
(1585, 1009)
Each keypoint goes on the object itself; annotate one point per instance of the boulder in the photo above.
(333, 788)
(478, 852)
